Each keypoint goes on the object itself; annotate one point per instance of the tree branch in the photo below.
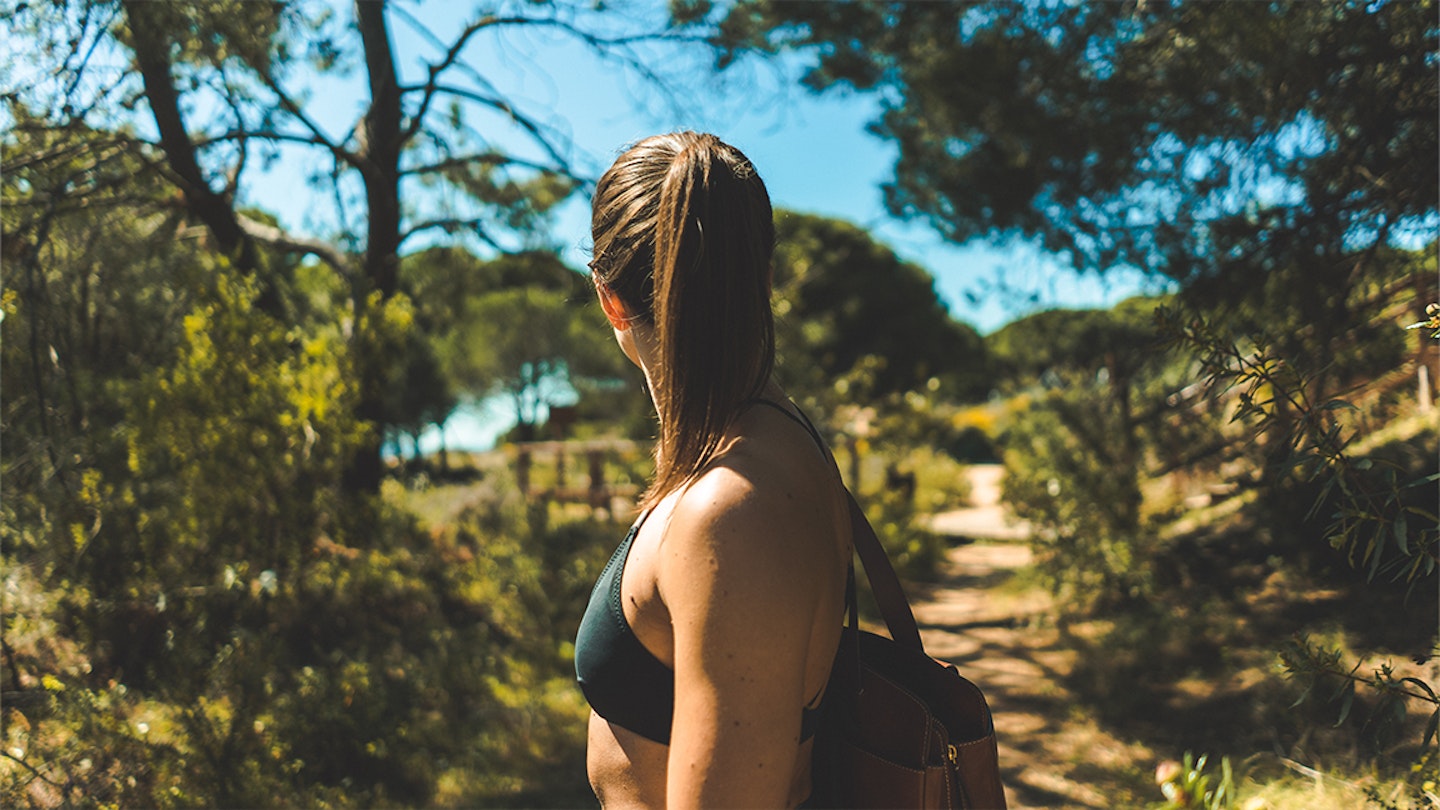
(381, 151)
(260, 135)
(434, 71)
(455, 225)
(66, 151)
(77, 72)
(152, 55)
(525, 122)
(275, 237)
(232, 182)
(319, 137)
(495, 159)
(31, 768)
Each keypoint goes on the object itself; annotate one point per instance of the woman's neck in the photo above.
(647, 354)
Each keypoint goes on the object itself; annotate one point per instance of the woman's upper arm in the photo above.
(741, 602)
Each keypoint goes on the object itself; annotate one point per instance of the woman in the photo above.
(710, 635)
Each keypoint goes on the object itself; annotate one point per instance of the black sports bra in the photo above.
(623, 681)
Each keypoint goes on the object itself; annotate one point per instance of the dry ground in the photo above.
(1055, 751)
(1000, 637)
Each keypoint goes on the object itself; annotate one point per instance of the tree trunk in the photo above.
(444, 451)
(380, 171)
(152, 56)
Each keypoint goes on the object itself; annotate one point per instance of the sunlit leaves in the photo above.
(1146, 135)
(1368, 505)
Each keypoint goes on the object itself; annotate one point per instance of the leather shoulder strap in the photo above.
(894, 607)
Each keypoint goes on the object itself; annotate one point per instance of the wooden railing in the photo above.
(594, 490)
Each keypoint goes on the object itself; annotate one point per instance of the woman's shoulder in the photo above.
(739, 534)
(749, 508)
(736, 494)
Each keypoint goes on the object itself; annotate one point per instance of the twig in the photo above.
(42, 777)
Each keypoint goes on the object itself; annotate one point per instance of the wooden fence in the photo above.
(593, 489)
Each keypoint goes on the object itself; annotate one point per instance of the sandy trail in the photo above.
(1000, 638)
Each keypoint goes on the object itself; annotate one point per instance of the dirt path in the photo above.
(1000, 637)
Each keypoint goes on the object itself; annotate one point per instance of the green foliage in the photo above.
(522, 205)
(227, 87)
(198, 612)
(214, 33)
(1064, 474)
(428, 669)
(1420, 787)
(1186, 784)
(1075, 449)
(417, 393)
(519, 342)
(854, 323)
(1175, 137)
(524, 326)
(913, 550)
(905, 473)
(1231, 148)
(1375, 521)
(1378, 518)
(1320, 669)
(64, 741)
(1077, 340)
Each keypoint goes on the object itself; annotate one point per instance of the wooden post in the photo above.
(522, 472)
(559, 467)
(597, 479)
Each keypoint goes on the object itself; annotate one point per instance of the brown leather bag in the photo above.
(898, 728)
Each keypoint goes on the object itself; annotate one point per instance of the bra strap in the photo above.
(884, 584)
(802, 420)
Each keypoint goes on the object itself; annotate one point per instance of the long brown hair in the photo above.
(683, 234)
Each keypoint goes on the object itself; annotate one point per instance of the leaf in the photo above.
(1305, 694)
(1422, 685)
(1348, 701)
(1375, 554)
(1401, 534)
(1429, 479)
(1338, 403)
(1321, 498)
(1398, 711)
(1430, 729)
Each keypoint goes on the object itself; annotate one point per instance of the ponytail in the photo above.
(710, 234)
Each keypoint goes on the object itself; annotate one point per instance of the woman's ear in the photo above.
(615, 310)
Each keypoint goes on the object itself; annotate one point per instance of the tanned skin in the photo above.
(737, 583)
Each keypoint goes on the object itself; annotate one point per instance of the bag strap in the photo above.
(894, 607)
(889, 595)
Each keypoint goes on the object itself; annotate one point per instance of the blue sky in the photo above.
(813, 151)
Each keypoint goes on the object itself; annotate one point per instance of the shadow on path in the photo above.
(1051, 754)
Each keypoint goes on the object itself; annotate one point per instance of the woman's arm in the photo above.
(738, 575)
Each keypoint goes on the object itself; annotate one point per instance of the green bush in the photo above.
(199, 614)
(1064, 474)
